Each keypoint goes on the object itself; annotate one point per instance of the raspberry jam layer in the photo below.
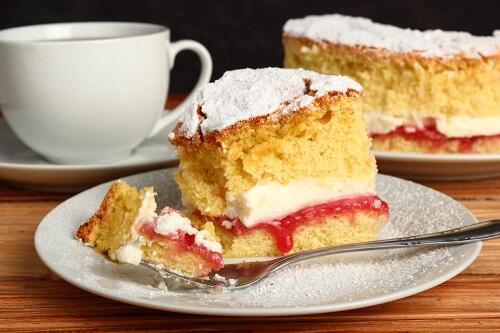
(185, 241)
(282, 229)
(430, 134)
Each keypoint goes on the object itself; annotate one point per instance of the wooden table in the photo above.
(32, 298)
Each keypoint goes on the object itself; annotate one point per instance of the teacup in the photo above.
(86, 93)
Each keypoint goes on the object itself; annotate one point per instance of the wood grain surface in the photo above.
(33, 299)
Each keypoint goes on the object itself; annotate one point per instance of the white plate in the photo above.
(326, 285)
(439, 166)
(22, 167)
(330, 284)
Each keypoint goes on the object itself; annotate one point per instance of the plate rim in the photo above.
(263, 311)
(425, 157)
(80, 167)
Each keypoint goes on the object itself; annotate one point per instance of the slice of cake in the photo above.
(127, 229)
(426, 91)
(279, 160)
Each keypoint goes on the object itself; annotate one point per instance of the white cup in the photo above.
(81, 93)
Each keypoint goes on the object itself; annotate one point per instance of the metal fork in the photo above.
(243, 275)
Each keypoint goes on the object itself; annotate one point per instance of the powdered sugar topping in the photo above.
(248, 93)
(359, 31)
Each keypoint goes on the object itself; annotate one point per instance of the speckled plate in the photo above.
(443, 167)
(331, 284)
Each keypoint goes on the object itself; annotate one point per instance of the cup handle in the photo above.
(204, 78)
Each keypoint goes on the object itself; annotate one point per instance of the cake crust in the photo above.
(217, 137)
(388, 40)
(85, 230)
(245, 98)
(459, 60)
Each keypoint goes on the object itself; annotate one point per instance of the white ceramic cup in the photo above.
(86, 93)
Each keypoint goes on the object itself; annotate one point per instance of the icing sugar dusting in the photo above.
(247, 93)
(348, 30)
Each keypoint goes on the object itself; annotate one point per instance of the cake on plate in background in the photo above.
(279, 161)
(425, 91)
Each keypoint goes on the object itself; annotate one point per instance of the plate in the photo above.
(444, 167)
(324, 285)
(22, 167)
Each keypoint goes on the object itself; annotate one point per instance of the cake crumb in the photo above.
(162, 285)
(227, 224)
(220, 278)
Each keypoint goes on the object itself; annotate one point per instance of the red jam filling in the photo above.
(282, 229)
(185, 242)
(431, 134)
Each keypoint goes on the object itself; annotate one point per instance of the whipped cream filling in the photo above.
(146, 211)
(274, 200)
(202, 238)
(131, 252)
(451, 126)
(171, 222)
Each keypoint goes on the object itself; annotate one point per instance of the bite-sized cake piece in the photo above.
(127, 229)
(427, 91)
(279, 160)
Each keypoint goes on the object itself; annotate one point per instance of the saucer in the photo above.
(22, 167)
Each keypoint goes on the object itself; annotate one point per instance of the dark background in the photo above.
(247, 33)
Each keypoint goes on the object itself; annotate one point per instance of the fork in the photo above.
(243, 275)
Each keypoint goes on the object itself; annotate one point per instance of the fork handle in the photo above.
(468, 234)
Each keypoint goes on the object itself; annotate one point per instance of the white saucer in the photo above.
(443, 167)
(331, 284)
(22, 167)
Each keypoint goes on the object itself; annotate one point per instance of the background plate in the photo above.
(330, 284)
(439, 166)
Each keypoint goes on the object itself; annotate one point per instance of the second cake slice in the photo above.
(280, 161)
